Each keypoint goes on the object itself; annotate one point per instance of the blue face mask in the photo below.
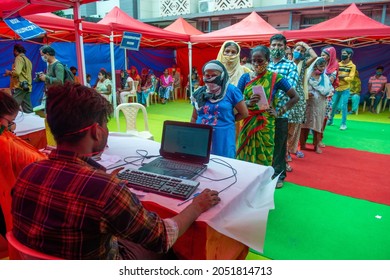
(379, 73)
(298, 55)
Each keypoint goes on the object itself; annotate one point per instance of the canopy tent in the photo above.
(250, 31)
(152, 36)
(350, 28)
(183, 27)
(11, 8)
(60, 29)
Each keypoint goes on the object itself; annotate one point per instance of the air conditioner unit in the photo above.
(206, 6)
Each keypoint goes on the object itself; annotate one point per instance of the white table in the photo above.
(243, 211)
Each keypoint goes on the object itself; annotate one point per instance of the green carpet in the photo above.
(308, 223)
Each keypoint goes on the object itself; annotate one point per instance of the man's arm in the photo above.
(292, 75)
(351, 75)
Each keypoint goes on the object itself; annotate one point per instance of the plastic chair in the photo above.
(372, 100)
(130, 111)
(18, 251)
(132, 93)
(152, 95)
(386, 97)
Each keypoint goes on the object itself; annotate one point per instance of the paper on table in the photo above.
(107, 160)
(263, 102)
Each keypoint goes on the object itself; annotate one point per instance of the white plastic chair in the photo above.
(386, 97)
(130, 111)
(132, 93)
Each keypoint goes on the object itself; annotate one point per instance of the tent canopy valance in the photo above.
(350, 28)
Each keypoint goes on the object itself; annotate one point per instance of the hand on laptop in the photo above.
(206, 199)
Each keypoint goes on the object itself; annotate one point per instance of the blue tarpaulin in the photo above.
(24, 28)
(97, 56)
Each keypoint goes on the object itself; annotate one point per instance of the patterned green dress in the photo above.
(256, 139)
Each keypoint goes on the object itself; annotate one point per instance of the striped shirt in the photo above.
(377, 83)
(287, 69)
(68, 206)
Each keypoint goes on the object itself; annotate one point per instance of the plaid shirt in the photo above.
(69, 207)
(287, 69)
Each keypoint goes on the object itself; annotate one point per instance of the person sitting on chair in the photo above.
(376, 87)
(166, 82)
(77, 210)
(15, 155)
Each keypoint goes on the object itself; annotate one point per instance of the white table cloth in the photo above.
(243, 211)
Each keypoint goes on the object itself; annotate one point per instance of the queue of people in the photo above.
(262, 114)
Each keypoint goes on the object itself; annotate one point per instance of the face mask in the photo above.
(277, 53)
(214, 80)
(378, 73)
(297, 55)
(260, 68)
(344, 56)
(213, 88)
(100, 77)
(318, 72)
(44, 58)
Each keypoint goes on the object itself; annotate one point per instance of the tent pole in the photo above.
(79, 43)
(113, 77)
(383, 19)
(125, 50)
(190, 66)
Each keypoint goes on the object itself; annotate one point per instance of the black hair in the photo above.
(263, 49)
(19, 48)
(348, 51)
(48, 50)
(104, 73)
(380, 67)
(72, 68)
(228, 44)
(278, 37)
(8, 105)
(72, 107)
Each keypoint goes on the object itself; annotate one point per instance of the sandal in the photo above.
(300, 154)
(321, 145)
(288, 168)
(318, 150)
(288, 159)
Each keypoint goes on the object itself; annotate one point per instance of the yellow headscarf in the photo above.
(232, 63)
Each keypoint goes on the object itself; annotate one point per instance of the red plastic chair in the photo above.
(18, 251)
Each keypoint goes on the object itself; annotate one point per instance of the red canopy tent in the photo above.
(152, 36)
(183, 27)
(10, 8)
(350, 28)
(250, 31)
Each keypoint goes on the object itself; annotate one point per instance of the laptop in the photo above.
(185, 150)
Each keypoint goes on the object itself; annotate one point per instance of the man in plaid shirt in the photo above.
(280, 64)
(69, 207)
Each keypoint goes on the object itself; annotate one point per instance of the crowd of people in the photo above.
(262, 108)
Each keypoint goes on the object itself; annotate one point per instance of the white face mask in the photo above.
(100, 77)
(44, 58)
(213, 88)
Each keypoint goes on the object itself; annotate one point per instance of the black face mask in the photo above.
(344, 56)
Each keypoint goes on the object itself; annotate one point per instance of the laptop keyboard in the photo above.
(159, 184)
(175, 165)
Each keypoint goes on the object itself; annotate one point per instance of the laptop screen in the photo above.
(186, 141)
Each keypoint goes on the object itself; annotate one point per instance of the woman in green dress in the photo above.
(255, 142)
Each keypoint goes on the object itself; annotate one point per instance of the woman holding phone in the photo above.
(256, 138)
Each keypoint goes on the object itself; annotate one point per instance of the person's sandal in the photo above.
(318, 150)
(299, 154)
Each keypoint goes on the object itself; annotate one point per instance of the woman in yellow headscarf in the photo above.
(229, 56)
